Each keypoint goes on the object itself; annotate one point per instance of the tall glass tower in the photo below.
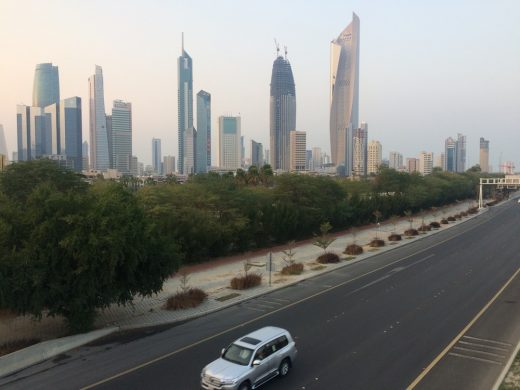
(282, 109)
(344, 94)
(156, 156)
(46, 87)
(99, 157)
(121, 136)
(185, 98)
(71, 132)
(203, 147)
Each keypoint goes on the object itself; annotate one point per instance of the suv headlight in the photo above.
(229, 381)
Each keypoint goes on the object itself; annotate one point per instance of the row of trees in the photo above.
(68, 248)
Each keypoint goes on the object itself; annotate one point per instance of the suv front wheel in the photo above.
(245, 386)
(284, 368)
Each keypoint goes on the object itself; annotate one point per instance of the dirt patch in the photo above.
(512, 379)
(226, 297)
(12, 346)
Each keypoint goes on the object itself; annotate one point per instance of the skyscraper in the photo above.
(84, 152)
(425, 163)
(185, 101)
(229, 142)
(46, 86)
(23, 132)
(257, 154)
(169, 165)
(121, 136)
(344, 94)
(298, 150)
(455, 154)
(3, 143)
(461, 153)
(317, 159)
(190, 142)
(71, 132)
(156, 155)
(375, 156)
(282, 109)
(50, 139)
(360, 150)
(450, 155)
(203, 155)
(484, 155)
(395, 160)
(99, 157)
(37, 131)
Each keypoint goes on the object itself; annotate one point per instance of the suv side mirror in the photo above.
(257, 362)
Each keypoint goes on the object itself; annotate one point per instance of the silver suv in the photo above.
(251, 361)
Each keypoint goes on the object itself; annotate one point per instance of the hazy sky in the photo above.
(429, 69)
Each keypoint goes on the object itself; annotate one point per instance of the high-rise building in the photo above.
(3, 161)
(317, 159)
(455, 154)
(185, 101)
(134, 166)
(298, 150)
(360, 150)
(229, 142)
(156, 156)
(108, 121)
(395, 160)
(344, 94)
(203, 157)
(84, 150)
(439, 161)
(99, 152)
(461, 153)
(37, 130)
(282, 112)
(425, 163)
(190, 142)
(242, 151)
(71, 132)
(23, 132)
(51, 137)
(121, 132)
(169, 165)
(257, 154)
(375, 156)
(3, 143)
(484, 155)
(46, 86)
(412, 164)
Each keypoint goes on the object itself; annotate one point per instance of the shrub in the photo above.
(458, 216)
(353, 249)
(292, 269)
(451, 219)
(444, 221)
(186, 299)
(464, 214)
(376, 243)
(435, 224)
(473, 210)
(246, 281)
(425, 228)
(394, 237)
(328, 258)
(411, 232)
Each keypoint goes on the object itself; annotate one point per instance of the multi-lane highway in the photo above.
(376, 324)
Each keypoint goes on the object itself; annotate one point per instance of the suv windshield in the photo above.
(238, 354)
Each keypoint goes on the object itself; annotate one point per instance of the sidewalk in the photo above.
(214, 277)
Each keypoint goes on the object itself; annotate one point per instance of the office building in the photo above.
(190, 142)
(71, 133)
(317, 159)
(121, 136)
(257, 154)
(412, 164)
(375, 156)
(23, 132)
(169, 165)
(229, 142)
(85, 151)
(99, 151)
(185, 101)
(461, 153)
(282, 112)
(46, 86)
(344, 94)
(425, 163)
(156, 156)
(3, 143)
(455, 154)
(395, 160)
(3, 161)
(298, 150)
(203, 146)
(38, 133)
(50, 133)
(484, 155)
(360, 151)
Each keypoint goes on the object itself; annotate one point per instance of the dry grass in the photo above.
(292, 269)
(186, 299)
(246, 281)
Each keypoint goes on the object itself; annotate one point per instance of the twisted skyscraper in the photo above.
(282, 112)
(344, 94)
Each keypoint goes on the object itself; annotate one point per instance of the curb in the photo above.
(507, 367)
(37, 353)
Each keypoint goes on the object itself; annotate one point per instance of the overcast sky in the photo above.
(429, 69)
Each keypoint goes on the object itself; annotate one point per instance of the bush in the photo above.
(292, 269)
(353, 249)
(451, 219)
(328, 258)
(186, 299)
(458, 216)
(425, 228)
(411, 232)
(444, 221)
(464, 214)
(394, 237)
(435, 224)
(246, 281)
(376, 243)
(473, 210)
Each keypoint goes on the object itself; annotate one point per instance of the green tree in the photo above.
(323, 240)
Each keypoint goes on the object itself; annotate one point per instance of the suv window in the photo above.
(281, 342)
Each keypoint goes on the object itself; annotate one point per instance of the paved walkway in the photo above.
(214, 277)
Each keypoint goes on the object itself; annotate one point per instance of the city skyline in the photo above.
(403, 80)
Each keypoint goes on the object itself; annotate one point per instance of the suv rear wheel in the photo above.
(284, 368)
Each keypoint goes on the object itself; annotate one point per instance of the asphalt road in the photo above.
(373, 325)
